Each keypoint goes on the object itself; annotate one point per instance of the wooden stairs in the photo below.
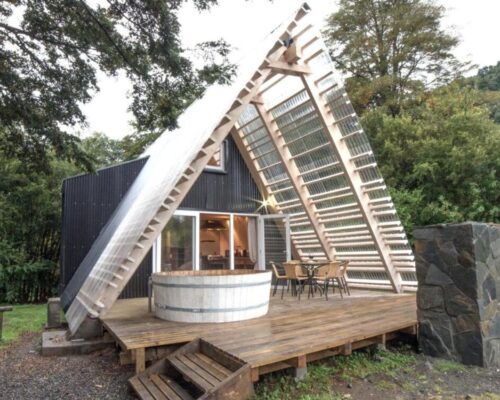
(198, 370)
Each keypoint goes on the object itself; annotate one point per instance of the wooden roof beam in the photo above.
(295, 178)
(354, 179)
(285, 68)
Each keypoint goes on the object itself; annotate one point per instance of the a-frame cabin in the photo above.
(309, 162)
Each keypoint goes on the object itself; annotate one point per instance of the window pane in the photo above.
(245, 242)
(214, 238)
(177, 244)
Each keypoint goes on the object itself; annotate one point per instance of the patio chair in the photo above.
(333, 272)
(342, 275)
(279, 277)
(295, 274)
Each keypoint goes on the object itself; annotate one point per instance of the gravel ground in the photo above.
(25, 374)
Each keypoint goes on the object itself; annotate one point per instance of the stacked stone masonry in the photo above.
(458, 298)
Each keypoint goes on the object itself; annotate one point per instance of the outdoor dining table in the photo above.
(310, 266)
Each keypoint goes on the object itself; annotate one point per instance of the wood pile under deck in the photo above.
(290, 335)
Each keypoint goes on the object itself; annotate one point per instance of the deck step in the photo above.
(198, 370)
(192, 373)
(159, 387)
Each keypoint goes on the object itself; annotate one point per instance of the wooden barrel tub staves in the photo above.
(211, 296)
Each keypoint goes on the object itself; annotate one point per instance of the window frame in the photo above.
(223, 161)
(156, 248)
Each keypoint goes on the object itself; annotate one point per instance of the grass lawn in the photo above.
(318, 383)
(22, 319)
(397, 373)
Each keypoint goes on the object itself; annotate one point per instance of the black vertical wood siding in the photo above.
(89, 201)
(233, 191)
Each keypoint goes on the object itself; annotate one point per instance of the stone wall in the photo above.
(458, 298)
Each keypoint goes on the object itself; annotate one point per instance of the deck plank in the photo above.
(292, 328)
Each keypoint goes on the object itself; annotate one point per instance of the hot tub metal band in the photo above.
(209, 286)
(210, 310)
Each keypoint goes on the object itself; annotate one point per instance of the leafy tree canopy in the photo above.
(103, 150)
(440, 158)
(50, 52)
(30, 220)
(488, 78)
(390, 49)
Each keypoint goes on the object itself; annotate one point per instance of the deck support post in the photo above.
(255, 374)
(411, 330)
(383, 340)
(140, 360)
(299, 367)
(347, 349)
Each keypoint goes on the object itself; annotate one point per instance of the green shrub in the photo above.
(23, 281)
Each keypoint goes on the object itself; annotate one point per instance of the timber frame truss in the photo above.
(305, 149)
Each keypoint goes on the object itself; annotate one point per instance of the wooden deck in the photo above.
(292, 332)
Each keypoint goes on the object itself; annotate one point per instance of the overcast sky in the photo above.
(243, 23)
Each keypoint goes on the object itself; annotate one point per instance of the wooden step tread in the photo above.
(158, 387)
(193, 373)
(178, 390)
(211, 366)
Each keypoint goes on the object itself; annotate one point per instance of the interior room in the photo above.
(214, 241)
(215, 237)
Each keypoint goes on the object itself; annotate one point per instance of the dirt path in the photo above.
(24, 374)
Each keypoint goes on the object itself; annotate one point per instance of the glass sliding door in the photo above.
(245, 242)
(177, 247)
(194, 240)
(274, 240)
(215, 248)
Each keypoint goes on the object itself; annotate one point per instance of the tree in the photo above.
(133, 145)
(30, 220)
(103, 150)
(390, 49)
(50, 52)
(488, 78)
(440, 158)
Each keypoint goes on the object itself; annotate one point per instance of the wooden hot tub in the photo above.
(211, 296)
